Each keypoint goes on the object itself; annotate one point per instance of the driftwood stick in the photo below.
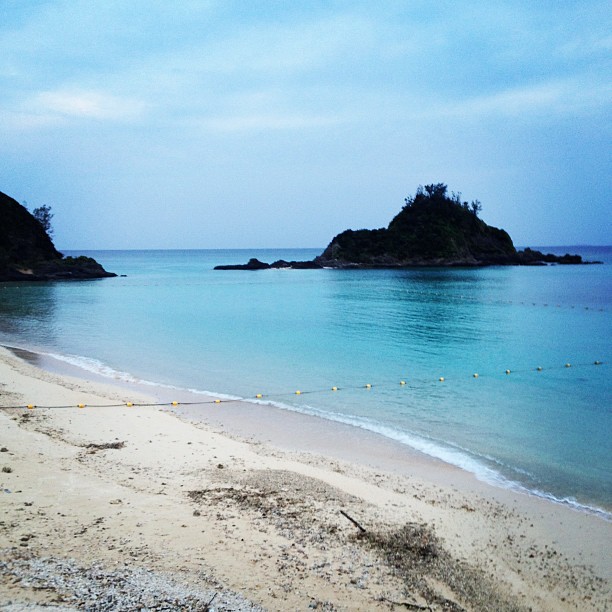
(210, 602)
(343, 513)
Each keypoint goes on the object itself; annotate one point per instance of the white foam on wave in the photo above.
(572, 503)
(223, 396)
(446, 452)
(94, 366)
(453, 456)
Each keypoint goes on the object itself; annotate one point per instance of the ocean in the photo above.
(544, 427)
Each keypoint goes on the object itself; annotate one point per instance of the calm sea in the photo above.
(175, 321)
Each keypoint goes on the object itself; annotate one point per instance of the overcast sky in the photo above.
(230, 124)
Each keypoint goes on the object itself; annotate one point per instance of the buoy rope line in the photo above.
(407, 382)
(531, 304)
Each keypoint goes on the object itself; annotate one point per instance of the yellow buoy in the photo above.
(80, 405)
(217, 401)
(441, 379)
(568, 365)
(475, 375)
(597, 363)
(368, 386)
(259, 396)
(402, 382)
(175, 403)
(30, 406)
(334, 388)
(539, 368)
(507, 371)
(298, 392)
(129, 404)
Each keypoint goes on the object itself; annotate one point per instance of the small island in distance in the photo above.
(27, 252)
(433, 229)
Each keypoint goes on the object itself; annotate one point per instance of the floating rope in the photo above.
(334, 389)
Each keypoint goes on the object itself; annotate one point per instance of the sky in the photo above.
(248, 124)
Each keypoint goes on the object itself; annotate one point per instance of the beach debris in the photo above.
(406, 604)
(4, 449)
(207, 607)
(6, 469)
(94, 447)
(350, 518)
(415, 553)
(316, 604)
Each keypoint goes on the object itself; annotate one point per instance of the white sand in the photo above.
(261, 516)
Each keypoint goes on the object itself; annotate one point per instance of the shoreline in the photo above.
(274, 423)
(280, 541)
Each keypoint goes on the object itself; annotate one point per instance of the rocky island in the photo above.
(27, 252)
(433, 229)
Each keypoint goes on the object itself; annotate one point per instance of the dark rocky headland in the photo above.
(27, 252)
(433, 229)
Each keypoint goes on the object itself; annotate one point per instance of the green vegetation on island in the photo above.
(432, 228)
(27, 252)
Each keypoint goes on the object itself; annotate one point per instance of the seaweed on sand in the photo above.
(416, 554)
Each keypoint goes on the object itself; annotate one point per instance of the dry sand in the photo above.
(118, 508)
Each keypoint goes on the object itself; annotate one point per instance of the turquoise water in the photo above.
(175, 321)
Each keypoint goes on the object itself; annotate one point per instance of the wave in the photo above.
(94, 366)
(446, 452)
(443, 451)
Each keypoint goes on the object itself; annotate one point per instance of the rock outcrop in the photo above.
(432, 230)
(27, 253)
(255, 264)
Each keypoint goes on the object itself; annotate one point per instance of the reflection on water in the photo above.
(414, 307)
(28, 310)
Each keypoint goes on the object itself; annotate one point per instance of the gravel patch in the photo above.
(97, 589)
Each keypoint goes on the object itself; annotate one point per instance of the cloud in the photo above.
(553, 98)
(559, 97)
(87, 104)
(263, 122)
(60, 107)
(214, 79)
(586, 46)
(294, 48)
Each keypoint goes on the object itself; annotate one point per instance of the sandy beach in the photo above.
(235, 506)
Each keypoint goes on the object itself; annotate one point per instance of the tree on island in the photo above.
(438, 192)
(27, 252)
(44, 215)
